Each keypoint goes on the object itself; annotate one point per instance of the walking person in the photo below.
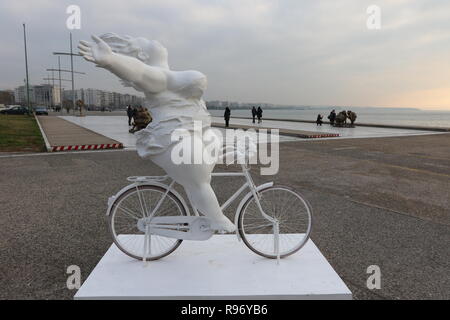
(319, 120)
(226, 116)
(254, 112)
(259, 113)
(130, 112)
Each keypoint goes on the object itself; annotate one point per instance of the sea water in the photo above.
(388, 116)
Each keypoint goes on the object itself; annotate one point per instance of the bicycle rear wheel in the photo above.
(294, 215)
(127, 211)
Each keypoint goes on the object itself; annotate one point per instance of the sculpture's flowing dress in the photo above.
(171, 110)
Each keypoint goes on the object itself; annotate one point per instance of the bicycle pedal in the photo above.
(221, 232)
(181, 227)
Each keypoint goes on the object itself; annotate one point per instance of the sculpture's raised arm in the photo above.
(147, 78)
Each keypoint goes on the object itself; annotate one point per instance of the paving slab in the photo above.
(288, 132)
(116, 127)
(344, 133)
(64, 135)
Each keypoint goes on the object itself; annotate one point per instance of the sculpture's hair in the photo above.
(150, 52)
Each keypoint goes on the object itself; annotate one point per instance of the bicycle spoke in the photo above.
(293, 218)
(125, 217)
(129, 213)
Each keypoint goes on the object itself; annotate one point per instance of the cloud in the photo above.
(289, 52)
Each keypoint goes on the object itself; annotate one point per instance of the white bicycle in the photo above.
(149, 219)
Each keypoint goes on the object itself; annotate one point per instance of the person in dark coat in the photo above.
(130, 112)
(319, 120)
(352, 116)
(141, 118)
(259, 113)
(254, 112)
(332, 117)
(227, 116)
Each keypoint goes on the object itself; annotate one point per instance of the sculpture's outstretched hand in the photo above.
(98, 52)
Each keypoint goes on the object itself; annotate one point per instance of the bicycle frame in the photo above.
(170, 188)
(254, 191)
(248, 184)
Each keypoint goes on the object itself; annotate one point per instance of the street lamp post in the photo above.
(71, 54)
(71, 69)
(26, 68)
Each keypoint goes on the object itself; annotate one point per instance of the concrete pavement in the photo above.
(64, 135)
(377, 201)
(116, 128)
(282, 131)
(344, 133)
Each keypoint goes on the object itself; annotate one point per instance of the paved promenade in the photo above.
(344, 133)
(116, 128)
(282, 131)
(63, 135)
(378, 201)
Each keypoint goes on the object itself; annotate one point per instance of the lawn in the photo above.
(20, 133)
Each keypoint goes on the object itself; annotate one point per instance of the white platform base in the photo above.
(219, 268)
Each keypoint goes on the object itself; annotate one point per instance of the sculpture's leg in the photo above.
(204, 199)
(195, 178)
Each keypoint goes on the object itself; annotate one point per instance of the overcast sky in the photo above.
(285, 52)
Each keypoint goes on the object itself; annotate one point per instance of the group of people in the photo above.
(339, 119)
(138, 118)
(256, 114)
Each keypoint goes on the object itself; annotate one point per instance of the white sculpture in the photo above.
(174, 100)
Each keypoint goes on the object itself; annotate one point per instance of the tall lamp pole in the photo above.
(71, 54)
(26, 68)
(71, 69)
(60, 85)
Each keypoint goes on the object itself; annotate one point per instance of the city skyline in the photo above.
(287, 53)
(211, 104)
(49, 95)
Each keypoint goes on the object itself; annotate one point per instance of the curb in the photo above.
(324, 135)
(47, 144)
(282, 132)
(87, 147)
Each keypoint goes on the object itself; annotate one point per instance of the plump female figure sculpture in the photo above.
(174, 100)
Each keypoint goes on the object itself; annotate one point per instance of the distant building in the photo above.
(7, 97)
(20, 94)
(49, 95)
(43, 94)
(215, 104)
(96, 99)
(92, 98)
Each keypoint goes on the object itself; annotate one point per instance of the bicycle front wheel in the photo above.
(289, 208)
(128, 210)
